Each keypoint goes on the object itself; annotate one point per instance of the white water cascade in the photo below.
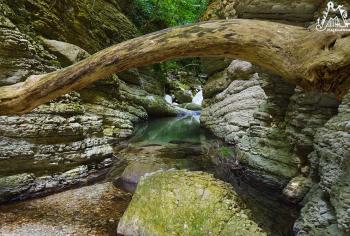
(198, 98)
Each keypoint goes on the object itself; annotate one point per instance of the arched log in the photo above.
(312, 60)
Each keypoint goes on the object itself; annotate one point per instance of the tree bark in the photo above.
(312, 60)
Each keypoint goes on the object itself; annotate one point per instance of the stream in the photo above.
(165, 143)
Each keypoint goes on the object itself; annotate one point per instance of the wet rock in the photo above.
(153, 104)
(216, 84)
(134, 171)
(186, 203)
(180, 87)
(268, 157)
(90, 210)
(245, 113)
(131, 76)
(18, 156)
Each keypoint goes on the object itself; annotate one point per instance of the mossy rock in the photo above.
(186, 203)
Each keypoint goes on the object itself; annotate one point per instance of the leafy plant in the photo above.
(170, 12)
(226, 152)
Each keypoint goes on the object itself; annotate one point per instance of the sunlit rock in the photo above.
(297, 188)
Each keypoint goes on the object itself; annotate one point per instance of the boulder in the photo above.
(186, 203)
(183, 96)
(66, 53)
(240, 69)
(297, 188)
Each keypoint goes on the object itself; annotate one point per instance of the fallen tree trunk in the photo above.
(312, 60)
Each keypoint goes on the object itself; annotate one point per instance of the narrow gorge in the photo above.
(196, 117)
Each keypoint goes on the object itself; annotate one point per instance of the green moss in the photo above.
(226, 152)
(186, 203)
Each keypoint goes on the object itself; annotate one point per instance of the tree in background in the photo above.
(167, 13)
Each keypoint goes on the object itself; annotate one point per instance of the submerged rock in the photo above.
(186, 203)
(134, 171)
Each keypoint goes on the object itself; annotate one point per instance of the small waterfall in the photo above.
(168, 99)
(198, 98)
(186, 113)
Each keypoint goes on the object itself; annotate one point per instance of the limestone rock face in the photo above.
(91, 25)
(20, 56)
(52, 140)
(293, 136)
(76, 131)
(240, 107)
(186, 203)
(306, 113)
(317, 216)
(330, 163)
(227, 114)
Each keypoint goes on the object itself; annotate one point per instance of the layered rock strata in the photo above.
(79, 129)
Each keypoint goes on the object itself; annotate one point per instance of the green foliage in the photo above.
(226, 152)
(171, 12)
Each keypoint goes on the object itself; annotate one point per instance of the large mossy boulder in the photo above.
(186, 203)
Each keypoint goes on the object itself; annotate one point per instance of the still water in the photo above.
(177, 142)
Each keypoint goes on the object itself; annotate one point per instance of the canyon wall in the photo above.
(287, 139)
(73, 135)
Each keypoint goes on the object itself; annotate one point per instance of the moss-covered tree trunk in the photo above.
(313, 60)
